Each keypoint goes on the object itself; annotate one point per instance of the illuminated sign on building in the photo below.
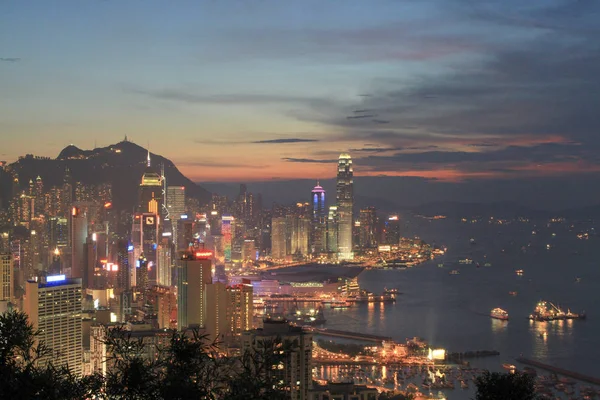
(203, 255)
(383, 248)
(56, 278)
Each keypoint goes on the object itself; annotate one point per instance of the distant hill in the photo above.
(121, 164)
(504, 209)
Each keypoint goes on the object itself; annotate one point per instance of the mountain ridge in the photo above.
(121, 164)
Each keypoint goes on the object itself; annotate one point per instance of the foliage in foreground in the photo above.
(505, 386)
(188, 367)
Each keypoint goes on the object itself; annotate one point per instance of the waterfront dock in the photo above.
(350, 335)
(560, 371)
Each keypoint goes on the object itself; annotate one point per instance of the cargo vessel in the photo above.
(546, 311)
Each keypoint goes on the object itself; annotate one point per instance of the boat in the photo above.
(499, 313)
(454, 272)
(509, 367)
(464, 385)
(472, 241)
(340, 304)
(465, 261)
(512, 293)
(519, 272)
(312, 317)
(546, 311)
(487, 264)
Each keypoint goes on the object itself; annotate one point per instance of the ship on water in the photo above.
(312, 317)
(546, 311)
(499, 313)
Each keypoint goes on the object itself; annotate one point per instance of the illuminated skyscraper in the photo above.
(319, 220)
(391, 231)
(194, 273)
(332, 229)
(226, 231)
(54, 309)
(78, 235)
(151, 191)
(6, 277)
(368, 227)
(163, 265)
(278, 238)
(176, 208)
(345, 203)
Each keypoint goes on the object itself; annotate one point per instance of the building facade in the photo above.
(345, 204)
(54, 308)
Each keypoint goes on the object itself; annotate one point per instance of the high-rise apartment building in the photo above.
(295, 372)
(194, 273)
(345, 203)
(54, 308)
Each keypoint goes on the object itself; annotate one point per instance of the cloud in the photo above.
(309, 160)
(10, 59)
(218, 164)
(284, 140)
(197, 97)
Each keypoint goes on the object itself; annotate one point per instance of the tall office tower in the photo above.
(122, 259)
(150, 191)
(368, 228)
(194, 273)
(78, 235)
(149, 230)
(332, 229)
(39, 196)
(300, 235)
(67, 193)
(226, 231)
(185, 233)
(6, 277)
(53, 202)
(176, 201)
(163, 265)
(141, 275)
(176, 208)
(318, 240)
(26, 209)
(216, 311)
(54, 308)
(296, 370)
(214, 220)
(391, 230)
(90, 256)
(201, 228)
(249, 250)
(345, 203)
(58, 232)
(278, 238)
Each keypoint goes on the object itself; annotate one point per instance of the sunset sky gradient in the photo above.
(250, 90)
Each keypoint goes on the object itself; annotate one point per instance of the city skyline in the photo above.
(444, 90)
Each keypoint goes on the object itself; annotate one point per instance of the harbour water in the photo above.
(452, 311)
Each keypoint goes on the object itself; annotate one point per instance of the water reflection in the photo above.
(498, 326)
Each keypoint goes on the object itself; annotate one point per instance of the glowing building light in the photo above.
(56, 278)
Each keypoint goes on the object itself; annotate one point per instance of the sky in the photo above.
(254, 90)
